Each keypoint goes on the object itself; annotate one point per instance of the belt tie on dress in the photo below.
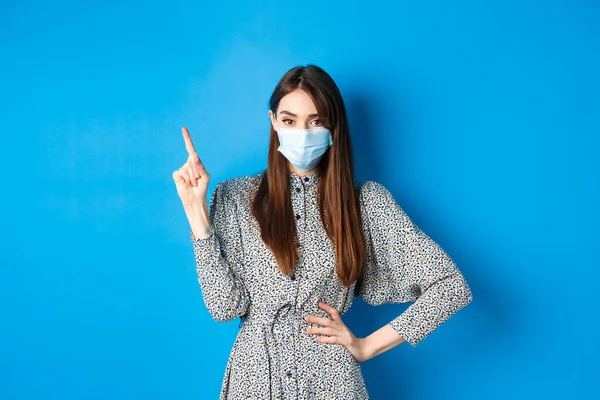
(267, 318)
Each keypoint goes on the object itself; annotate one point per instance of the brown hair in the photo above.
(337, 198)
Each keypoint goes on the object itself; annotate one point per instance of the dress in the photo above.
(273, 357)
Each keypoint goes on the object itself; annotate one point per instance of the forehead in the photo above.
(297, 102)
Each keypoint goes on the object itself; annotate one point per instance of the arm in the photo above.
(405, 265)
(218, 252)
(380, 341)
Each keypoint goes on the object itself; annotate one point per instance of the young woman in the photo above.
(288, 249)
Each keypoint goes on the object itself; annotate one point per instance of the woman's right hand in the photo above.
(192, 178)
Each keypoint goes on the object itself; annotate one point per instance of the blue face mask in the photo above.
(304, 147)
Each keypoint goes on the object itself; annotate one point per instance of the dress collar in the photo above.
(309, 179)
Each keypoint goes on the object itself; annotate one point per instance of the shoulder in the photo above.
(372, 192)
(379, 206)
(240, 187)
(241, 182)
(376, 200)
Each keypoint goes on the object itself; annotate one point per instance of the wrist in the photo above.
(199, 233)
(367, 349)
(198, 219)
(198, 209)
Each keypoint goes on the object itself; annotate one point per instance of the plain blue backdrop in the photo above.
(482, 118)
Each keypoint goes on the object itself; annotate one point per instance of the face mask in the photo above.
(304, 147)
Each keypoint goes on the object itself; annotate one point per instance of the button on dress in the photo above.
(273, 356)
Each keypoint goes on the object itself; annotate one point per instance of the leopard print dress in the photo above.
(273, 356)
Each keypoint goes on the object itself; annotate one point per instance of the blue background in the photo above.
(482, 118)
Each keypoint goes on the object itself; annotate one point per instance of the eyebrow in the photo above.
(294, 115)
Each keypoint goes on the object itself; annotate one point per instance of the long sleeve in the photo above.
(403, 264)
(219, 259)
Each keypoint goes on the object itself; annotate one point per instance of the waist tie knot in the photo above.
(268, 318)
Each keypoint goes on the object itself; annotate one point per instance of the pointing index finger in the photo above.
(189, 146)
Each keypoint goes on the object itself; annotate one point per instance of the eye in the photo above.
(285, 121)
(318, 122)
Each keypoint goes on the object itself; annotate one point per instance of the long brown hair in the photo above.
(337, 198)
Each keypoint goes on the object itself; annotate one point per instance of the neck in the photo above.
(293, 169)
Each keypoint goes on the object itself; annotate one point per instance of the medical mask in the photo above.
(304, 147)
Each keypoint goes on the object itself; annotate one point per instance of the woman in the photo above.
(288, 249)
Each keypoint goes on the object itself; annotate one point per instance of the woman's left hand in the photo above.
(336, 331)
